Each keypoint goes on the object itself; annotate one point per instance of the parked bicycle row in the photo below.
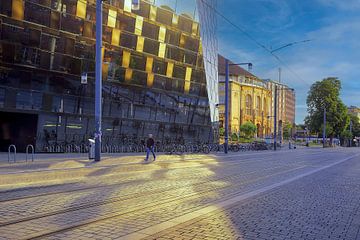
(172, 148)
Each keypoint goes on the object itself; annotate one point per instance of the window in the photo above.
(144, 9)
(138, 62)
(185, 24)
(179, 72)
(159, 67)
(175, 54)
(128, 41)
(164, 16)
(151, 46)
(150, 30)
(248, 102)
(172, 37)
(258, 106)
(37, 14)
(265, 108)
(126, 23)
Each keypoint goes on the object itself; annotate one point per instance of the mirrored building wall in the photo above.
(154, 76)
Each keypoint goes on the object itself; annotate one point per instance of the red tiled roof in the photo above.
(234, 70)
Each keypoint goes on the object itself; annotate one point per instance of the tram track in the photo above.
(155, 205)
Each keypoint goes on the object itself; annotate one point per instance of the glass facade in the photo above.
(154, 76)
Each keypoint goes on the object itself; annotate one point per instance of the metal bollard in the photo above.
(32, 152)
(9, 152)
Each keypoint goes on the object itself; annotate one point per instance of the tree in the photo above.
(326, 94)
(249, 129)
(287, 130)
(234, 137)
(355, 125)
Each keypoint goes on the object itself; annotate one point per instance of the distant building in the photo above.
(286, 104)
(353, 110)
(250, 99)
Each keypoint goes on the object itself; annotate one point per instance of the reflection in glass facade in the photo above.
(159, 72)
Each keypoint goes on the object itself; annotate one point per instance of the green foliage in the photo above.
(234, 137)
(287, 130)
(346, 134)
(326, 93)
(221, 131)
(355, 125)
(249, 129)
(329, 130)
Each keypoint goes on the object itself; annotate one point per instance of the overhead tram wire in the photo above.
(255, 41)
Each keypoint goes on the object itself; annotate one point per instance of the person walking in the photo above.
(150, 143)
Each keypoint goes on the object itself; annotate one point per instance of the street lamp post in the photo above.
(227, 65)
(324, 128)
(98, 80)
(350, 144)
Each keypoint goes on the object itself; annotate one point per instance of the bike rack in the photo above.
(9, 152)
(32, 152)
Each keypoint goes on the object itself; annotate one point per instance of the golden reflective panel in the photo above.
(162, 34)
(81, 9)
(175, 19)
(149, 64)
(127, 5)
(187, 86)
(182, 40)
(152, 15)
(128, 75)
(162, 49)
(140, 44)
(17, 9)
(126, 59)
(169, 69)
(112, 18)
(105, 71)
(115, 37)
(195, 27)
(188, 73)
(150, 79)
(139, 25)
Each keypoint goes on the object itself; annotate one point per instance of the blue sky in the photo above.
(333, 25)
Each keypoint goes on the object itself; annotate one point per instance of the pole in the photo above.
(279, 75)
(350, 141)
(324, 128)
(98, 80)
(275, 116)
(226, 106)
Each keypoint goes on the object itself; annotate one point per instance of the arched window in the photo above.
(265, 108)
(258, 106)
(248, 100)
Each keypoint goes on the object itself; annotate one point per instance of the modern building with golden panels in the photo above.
(157, 76)
(250, 99)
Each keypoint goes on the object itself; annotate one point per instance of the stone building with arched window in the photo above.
(249, 97)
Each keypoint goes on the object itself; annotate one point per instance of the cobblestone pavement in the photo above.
(303, 194)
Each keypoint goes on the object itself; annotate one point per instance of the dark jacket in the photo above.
(150, 142)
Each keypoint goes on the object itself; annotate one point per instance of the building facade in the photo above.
(285, 105)
(249, 98)
(355, 111)
(154, 76)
